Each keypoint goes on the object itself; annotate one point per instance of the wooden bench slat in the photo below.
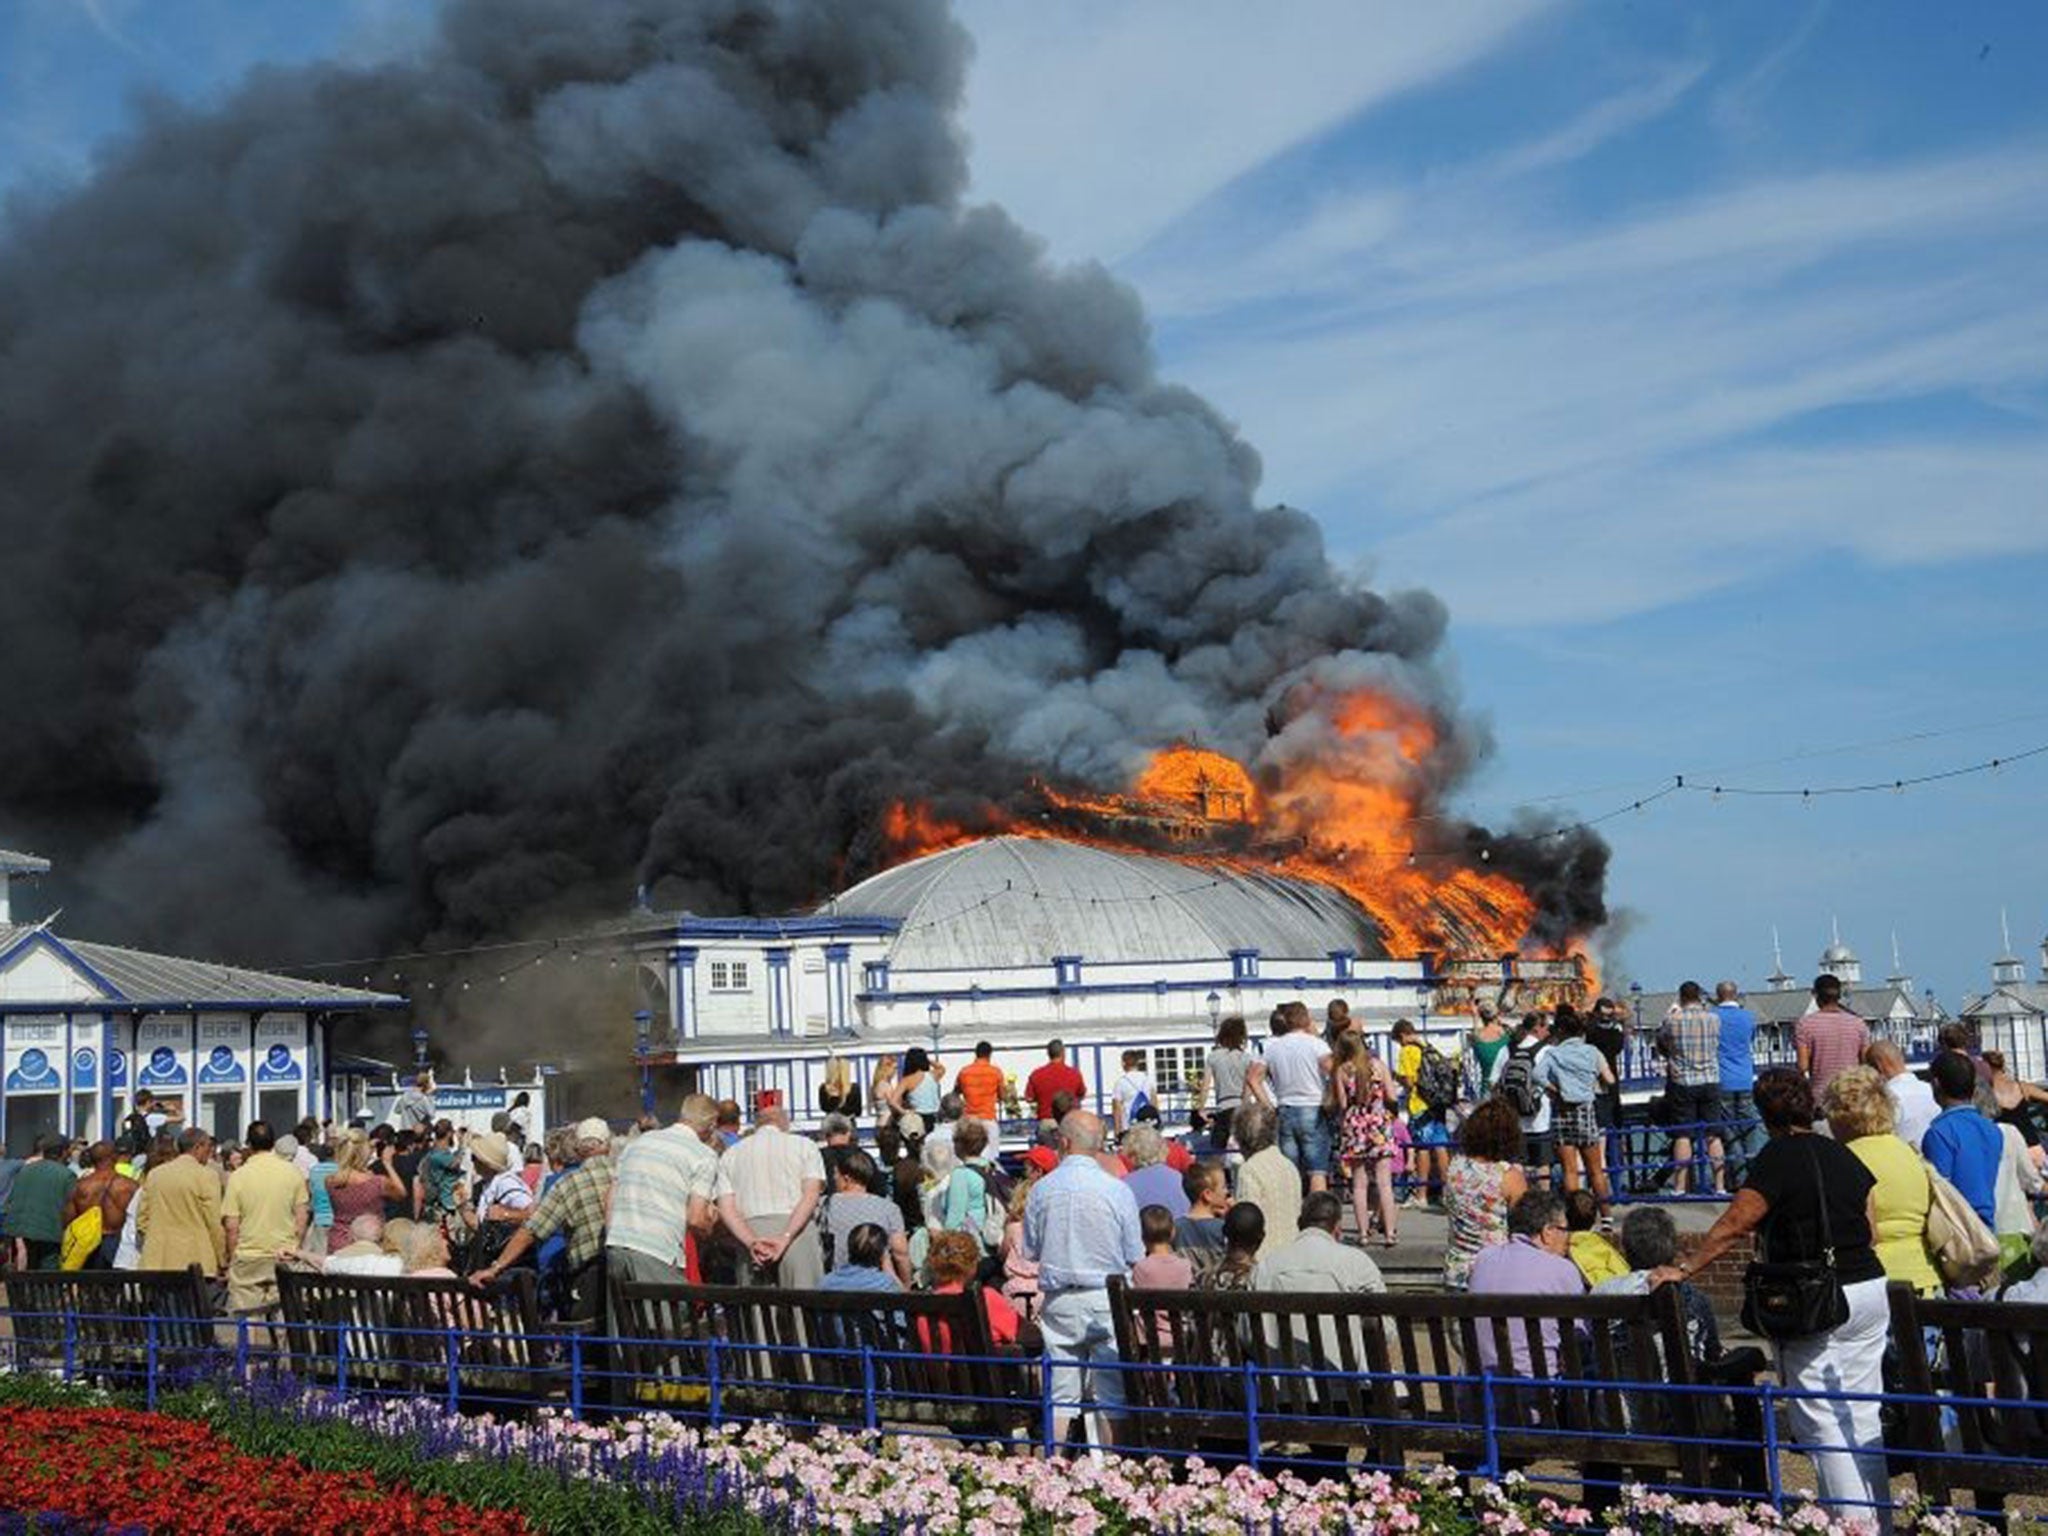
(1360, 1339)
(775, 1355)
(1994, 1357)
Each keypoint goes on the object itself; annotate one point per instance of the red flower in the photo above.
(180, 1478)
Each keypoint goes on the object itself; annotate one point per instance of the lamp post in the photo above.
(932, 1016)
(419, 1046)
(1215, 1002)
(643, 1032)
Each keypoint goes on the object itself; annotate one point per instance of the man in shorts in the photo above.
(1297, 1072)
(1689, 1040)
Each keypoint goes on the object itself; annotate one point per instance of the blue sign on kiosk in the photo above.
(222, 1066)
(34, 1073)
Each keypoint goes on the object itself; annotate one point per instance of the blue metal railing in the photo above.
(333, 1364)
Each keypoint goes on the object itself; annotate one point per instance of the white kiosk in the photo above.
(84, 1026)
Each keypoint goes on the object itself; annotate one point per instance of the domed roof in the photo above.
(1837, 953)
(1020, 901)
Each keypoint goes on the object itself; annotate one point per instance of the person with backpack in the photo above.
(1485, 1054)
(970, 1203)
(1132, 1092)
(1521, 1084)
(139, 1130)
(1433, 1081)
(106, 1192)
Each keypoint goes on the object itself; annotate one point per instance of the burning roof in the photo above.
(1354, 816)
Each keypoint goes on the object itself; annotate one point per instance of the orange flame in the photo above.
(1351, 813)
(911, 831)
(1217, 786)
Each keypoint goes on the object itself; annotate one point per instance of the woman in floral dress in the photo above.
(1364, 1092)
(1484, 1179)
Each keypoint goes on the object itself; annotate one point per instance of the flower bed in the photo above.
(865, 1485)
(274, 1457)
(150, 1472)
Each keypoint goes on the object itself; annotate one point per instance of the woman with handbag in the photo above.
(1816, 1290)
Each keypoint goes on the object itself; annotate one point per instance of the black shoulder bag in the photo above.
(1803, 1297)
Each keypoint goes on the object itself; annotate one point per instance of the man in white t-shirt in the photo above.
(768, 1189)
(1131, 1092)
(1297, 1071)
(1912, 1099)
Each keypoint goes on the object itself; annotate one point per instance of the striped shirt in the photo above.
(658, 1175)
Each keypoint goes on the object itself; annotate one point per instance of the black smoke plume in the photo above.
(604, 450)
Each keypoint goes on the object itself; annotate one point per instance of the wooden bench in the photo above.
(96, 1324)
(403, 1333)
(850, 1358)
(1993, 1357)
(1327, 1370)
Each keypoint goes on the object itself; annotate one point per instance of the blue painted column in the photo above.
(108, 1123)
(682, 991)
(67, 1105)
(838, 989)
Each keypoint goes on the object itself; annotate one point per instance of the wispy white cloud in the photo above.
(1324, 252)
(1738, 105)
(1623, 414)
(1600, 123)
(106, 17)
(1097, 122)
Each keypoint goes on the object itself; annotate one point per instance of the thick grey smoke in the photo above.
(441, 496)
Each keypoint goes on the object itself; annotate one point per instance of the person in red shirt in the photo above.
(1053, 1078)
(980, 1085)
(952, 1262)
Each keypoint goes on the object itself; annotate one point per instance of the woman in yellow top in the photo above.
(1862, 1117)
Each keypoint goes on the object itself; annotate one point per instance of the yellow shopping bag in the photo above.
(82, 1238)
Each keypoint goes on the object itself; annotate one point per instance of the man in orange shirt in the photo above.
(980, 1084)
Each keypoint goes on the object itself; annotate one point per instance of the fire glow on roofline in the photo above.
(1348, 816)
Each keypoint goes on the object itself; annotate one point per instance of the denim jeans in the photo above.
(1741, 1141)
(1305, 1137)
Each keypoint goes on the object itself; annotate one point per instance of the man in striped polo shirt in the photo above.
(661, 1197)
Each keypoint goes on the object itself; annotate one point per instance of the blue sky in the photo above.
(1697, 355)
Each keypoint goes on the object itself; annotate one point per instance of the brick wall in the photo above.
(1722, 1279)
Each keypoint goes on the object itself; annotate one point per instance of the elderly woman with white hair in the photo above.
(425, 1252)
(1151, 1180)
(1266, 1178)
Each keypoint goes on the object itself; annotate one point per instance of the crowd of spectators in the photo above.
(1847, 1153)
